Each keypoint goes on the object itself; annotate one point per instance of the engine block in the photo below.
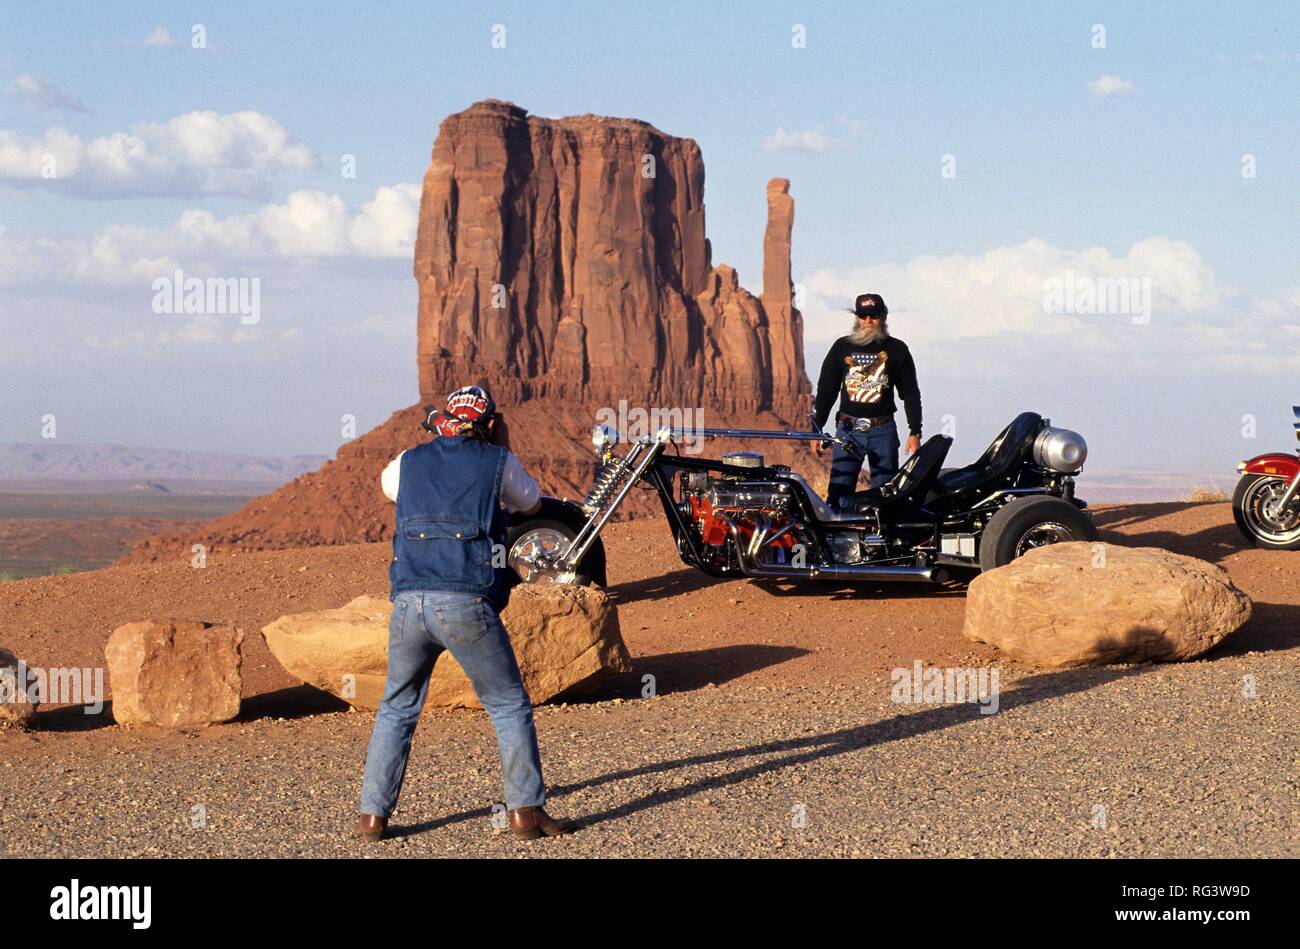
(770, 497)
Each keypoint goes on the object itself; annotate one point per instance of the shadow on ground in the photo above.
(1212, 543)
(681, 580)
(841, 590)
(1272, 626)
(690, 580)
(297, 701)
(795, 751)
(72, 718)
(683, 671)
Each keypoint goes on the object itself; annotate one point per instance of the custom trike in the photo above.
(739, 516)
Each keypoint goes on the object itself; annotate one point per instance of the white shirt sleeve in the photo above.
(519, 491)
(391, 476)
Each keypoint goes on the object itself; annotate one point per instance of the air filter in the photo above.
(744, 459)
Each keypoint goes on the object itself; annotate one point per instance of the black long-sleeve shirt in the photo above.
(865, 377)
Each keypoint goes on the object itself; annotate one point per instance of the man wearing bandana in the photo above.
(447, 593)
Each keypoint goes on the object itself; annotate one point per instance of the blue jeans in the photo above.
(879, 443)
(423, 624)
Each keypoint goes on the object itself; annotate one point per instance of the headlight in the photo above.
(1060, 450)
(604, 436)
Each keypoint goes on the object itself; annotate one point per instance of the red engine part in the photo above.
(714, 530)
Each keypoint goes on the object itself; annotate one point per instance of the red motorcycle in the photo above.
(1266, 503)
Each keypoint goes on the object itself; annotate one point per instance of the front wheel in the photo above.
(1030, 522)
(1259, 516)
(530, 544)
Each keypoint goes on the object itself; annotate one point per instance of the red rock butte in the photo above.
(564, 264)
(567, 259)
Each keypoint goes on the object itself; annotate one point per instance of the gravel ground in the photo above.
(1165, 760)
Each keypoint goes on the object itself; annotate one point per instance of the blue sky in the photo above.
(1052, 174)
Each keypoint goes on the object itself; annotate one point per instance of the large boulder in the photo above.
(174, 673)
(563, 636)
(1080, 604)
(16, 705)
(343, 651)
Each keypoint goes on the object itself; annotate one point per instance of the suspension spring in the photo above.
(607, 484)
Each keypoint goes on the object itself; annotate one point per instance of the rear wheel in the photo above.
(531, 544)
(1031, 522)
(1258, 515)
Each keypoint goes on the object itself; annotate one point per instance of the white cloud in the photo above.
(965, 310)
(36, 93)
(160, 37)
(1174, 388)
(1286, 300)
(854, 125)
(1003, 290)
(809, 141)
(307, 224)
(58, 152)
(385, 226)
(192, 154)
(1112, 86)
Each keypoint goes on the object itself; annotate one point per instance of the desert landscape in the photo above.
(754, 714)
(1053, 643)
(771, 701)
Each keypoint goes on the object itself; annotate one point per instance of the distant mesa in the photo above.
(75, 461)
(564, 263)
(149, 487)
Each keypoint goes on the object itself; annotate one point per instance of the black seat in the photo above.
(999, 461)
(913, 481)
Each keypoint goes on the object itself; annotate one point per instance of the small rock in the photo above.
(16, 706)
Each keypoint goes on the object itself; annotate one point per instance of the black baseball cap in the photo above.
(870, 304)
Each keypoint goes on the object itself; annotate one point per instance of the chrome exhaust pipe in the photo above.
(856, 571)
(749, 565)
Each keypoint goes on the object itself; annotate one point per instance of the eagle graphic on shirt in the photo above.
(865, 381)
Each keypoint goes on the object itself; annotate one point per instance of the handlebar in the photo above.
(744, 433)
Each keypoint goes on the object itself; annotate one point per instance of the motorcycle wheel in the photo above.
(1031, 522)
(526, 540)
(1260, 525)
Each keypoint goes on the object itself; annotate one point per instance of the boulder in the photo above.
(174, 673)
(16, 705)
(1081, 604)
(342, 651)
(563, 636)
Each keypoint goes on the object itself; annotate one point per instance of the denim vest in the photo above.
(449, 517)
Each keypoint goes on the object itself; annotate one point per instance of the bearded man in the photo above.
(863, 370)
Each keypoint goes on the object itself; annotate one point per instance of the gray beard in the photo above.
(871, 334)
